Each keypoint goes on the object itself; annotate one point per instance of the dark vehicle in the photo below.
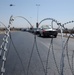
(36, 31)
(45, 30)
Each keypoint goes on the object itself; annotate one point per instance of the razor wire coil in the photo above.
(3, 48)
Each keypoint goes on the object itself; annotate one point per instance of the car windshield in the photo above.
(46, 27)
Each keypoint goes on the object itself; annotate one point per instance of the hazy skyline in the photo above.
(61, 10)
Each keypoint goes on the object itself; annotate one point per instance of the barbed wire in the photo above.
(35, 44)
(17, 54)
(72, 62)
(3, 48)
(66, 45)
(48, 58)
(9, 46)
(63, 47)
(55, 58)
(8, 52)
(31, 55)
(40, 57)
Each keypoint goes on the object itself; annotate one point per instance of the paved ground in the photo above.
(17, 59)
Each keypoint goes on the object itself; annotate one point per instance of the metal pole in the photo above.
(37, 11)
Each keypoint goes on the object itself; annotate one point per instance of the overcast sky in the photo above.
(61, 10)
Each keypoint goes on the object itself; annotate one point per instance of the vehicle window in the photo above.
(46, 27)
